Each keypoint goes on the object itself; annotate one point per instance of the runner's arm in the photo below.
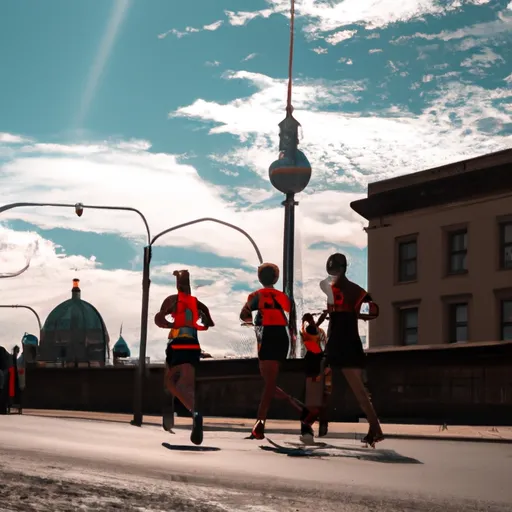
(204, 313)
(373, 311)
(321, 318)
(250, 306)
(168, 306)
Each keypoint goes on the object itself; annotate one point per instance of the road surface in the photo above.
(66, 464)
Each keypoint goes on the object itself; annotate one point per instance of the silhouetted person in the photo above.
(344, 348)
(183, 351)
(272, 334)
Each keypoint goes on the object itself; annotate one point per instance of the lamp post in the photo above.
(26, 307)
(137, 414)
(146, 281)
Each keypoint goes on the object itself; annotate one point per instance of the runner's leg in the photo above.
(269, 371)
(354, 378)
(180, 381)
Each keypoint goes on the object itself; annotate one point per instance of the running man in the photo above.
(272, 334)
(344, 348)
(183, 350)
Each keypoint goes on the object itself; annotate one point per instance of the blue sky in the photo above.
(173, 108)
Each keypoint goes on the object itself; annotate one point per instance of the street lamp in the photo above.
(137, 414)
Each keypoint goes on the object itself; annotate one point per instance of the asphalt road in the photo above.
(64, 464)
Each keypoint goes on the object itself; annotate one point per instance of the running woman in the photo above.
(272, 333)
(183, 351)
(344, 348)
(318, 377)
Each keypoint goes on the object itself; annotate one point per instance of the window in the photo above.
(408, 326)
(457, 252)
(407, 261)
(458, 321)
(506, 245)
(506, 320)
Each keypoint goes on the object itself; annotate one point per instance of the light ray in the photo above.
(117, 17)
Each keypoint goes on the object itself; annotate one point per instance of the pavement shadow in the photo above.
(324, 450)
(190, 448)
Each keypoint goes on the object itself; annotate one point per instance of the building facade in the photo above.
(440, 253)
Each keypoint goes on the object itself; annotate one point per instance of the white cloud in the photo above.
(483, 60)
(191, 30)
(213, 26)
(249, 57)
(213, 64)
(319, 50)
(241, 18)
(488, 29)
(375, 50)
(355, 148)
(179, 34)
(340, 36)
(9, 138)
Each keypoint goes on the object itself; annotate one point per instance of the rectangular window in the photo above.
(506, 245)
(407, 261)
(457, 252)
(458, 321)
(408, 318)
(506, 320)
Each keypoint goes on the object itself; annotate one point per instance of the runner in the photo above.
(318, 377)
(272, 334)
(183, 350)
(344, 348)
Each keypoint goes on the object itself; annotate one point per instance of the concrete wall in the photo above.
(482, 286)
(470, 384)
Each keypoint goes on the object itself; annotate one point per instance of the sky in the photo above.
(173, 108)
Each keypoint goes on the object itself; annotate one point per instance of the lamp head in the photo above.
(79, 209)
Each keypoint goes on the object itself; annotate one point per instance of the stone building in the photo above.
(74, 333)
(440, 253)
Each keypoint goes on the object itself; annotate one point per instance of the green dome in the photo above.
(121, 348)
(74, 332)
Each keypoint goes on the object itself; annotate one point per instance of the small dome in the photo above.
(74, 332)
(29, 339)
(121, 348)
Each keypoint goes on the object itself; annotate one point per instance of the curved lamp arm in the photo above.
(210, 219)
(25, 307)
(79, 206)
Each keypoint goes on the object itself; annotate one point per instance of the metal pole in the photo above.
(146, 281)
(30, 309)
(288, 263)
(141, 368)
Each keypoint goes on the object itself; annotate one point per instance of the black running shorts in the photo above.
(274, 343)
(175, 357)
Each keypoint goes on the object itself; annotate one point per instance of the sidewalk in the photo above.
(336, 430)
